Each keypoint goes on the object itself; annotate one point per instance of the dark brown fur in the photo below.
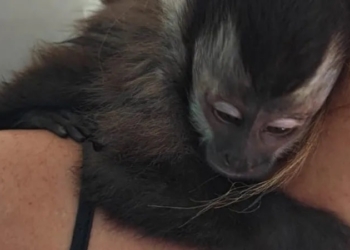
(150, 174)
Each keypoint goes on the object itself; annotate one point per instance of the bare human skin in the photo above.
(38, 196)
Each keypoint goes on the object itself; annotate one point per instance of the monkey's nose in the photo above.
(232, 162)
(236, 167)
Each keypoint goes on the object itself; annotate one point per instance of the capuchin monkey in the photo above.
(179, 102)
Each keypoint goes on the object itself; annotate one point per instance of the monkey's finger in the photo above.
(66, 120)
(77, 131)
(74, 119)
(75, 134)
(55, 128)
(85, 131)
(37, 120)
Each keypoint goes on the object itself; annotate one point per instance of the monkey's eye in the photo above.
(282, 127)
(226, 113)
(279, 131)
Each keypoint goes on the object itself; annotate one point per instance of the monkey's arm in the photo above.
(45, 94)
(49, 92)
(51, 83)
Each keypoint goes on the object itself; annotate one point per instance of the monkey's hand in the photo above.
(63, 123)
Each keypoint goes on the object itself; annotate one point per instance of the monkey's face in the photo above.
(245, 131)
(252, 100)
(245, 134)
(244, 137)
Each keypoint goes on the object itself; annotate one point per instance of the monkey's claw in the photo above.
(63, 123)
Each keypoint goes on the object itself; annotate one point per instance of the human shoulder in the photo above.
(37, 190)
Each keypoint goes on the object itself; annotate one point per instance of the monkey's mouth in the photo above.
(254, 173)
(240, 170)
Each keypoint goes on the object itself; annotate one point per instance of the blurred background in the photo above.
(25, 22)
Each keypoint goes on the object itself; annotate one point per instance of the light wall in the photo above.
(25, 22)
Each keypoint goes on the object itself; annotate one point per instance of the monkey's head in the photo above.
(261, 71)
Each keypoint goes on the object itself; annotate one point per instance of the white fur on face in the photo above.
(199, 120)
(218, 60)
(316, 90)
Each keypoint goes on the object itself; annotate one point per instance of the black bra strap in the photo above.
(83, 225)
